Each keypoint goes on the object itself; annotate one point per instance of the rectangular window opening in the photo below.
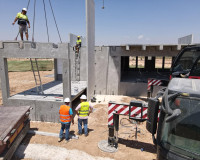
(168, 62)
(132, 62)
(141, 62)
(159, 62)
(21, 77)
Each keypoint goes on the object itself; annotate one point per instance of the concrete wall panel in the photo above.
(73, 38)
(168, 50)
(136, 89)
(41, 50)
(114, 74)
(90, 43)
(101, 69)
(46, 111)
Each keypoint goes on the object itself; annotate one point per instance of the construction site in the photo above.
(145, 98)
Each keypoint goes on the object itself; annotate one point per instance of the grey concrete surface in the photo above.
(136, 89)
(101, 69)
(44, 109)
(108, 68)
(90, 45)
(83, 64)
(186, 39)
(146, 50)
(41, 50)
(73, 38)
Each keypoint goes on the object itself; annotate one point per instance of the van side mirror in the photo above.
(152, 115)
(176, 113)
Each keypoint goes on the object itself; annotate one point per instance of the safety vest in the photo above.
(78, 41)
(22, 19)
(64, 113)
(84, 110)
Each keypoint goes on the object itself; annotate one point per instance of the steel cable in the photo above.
(33, 21)
(46, 20)
(55, 20)
(28, 4)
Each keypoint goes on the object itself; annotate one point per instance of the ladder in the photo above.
(36, 74)
(77, 66)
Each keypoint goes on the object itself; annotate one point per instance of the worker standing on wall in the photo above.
(66, 116)
(78, 44)
(83, 111)
(22, 21)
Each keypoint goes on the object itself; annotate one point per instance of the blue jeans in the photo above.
(85, 122)
(66, 128)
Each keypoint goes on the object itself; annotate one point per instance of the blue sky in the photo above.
(121, 22)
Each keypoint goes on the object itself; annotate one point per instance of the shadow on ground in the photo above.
(147, 147)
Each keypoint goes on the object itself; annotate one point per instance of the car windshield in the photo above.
(186, 61)
(183, 134)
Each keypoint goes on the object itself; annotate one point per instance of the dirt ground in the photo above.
(129, 147)
(21, 81)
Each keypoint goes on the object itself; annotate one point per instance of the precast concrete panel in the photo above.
(66, 78)
(73, 38)
(151, 50)
(59, 66)
(90, 43)
(114, 72)
(83, 64)
(186, 39)
(101, 69)
(136, 89)
(38, 50)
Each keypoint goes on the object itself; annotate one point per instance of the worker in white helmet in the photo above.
(66, 117)
(83, 111)
(22, 21)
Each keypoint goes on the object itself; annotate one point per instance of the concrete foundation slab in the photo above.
(53, 91)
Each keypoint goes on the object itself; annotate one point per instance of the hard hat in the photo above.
(83, 97)
(24, 9)
(67, 100)
(78, 36)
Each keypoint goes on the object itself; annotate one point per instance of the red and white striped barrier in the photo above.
(153, 82)
(123, 109)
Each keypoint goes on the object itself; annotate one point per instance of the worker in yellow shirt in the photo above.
(78, 44)
(22, 21)
(83, 111)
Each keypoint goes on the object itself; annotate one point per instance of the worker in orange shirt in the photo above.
(66, 117)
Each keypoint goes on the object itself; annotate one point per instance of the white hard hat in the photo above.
(67, 100)
(24, 9)
(83, 97)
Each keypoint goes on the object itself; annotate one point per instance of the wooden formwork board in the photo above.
(8, 153)
(13, 120)
(9, 118)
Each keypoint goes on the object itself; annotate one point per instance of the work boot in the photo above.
(67, 140)
(60, 139)
(86, 135)
(79, 134)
